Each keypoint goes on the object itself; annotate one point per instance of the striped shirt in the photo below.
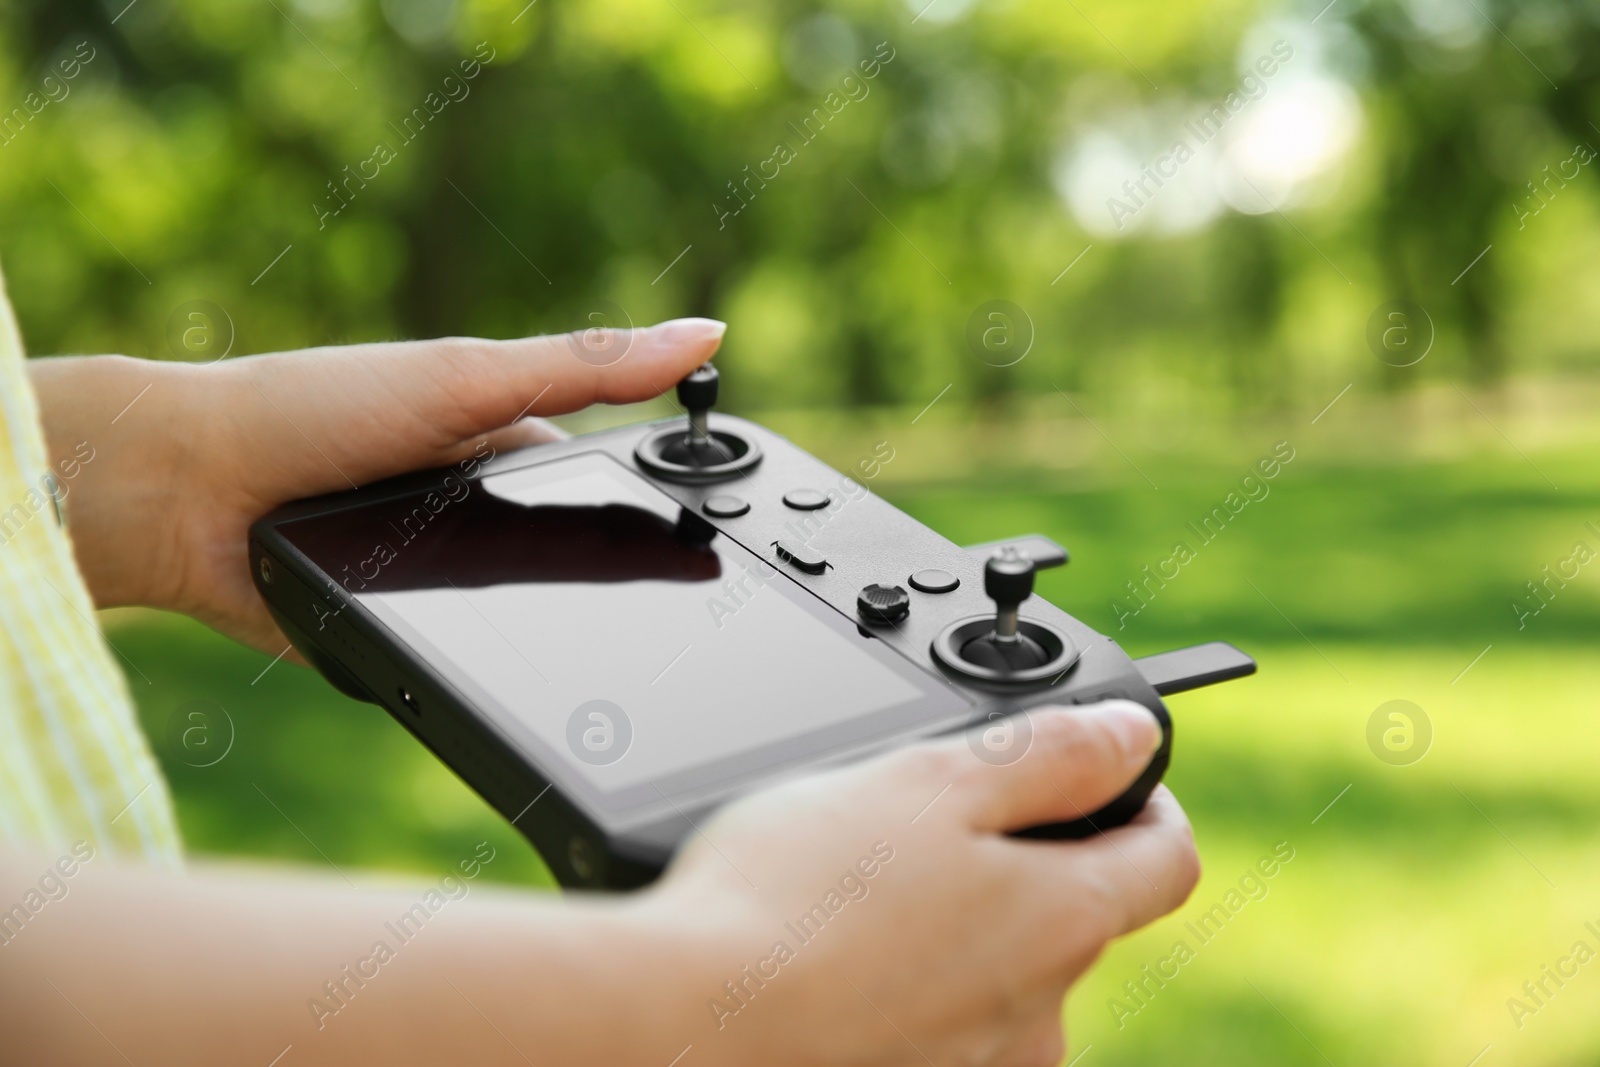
(73, 762)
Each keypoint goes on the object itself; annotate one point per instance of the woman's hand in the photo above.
(880, 915)
(183, 458)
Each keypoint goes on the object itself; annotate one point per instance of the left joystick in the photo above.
(697, 393)
(703, 454)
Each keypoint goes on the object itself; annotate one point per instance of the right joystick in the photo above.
(1005, 649)
(1008, 579)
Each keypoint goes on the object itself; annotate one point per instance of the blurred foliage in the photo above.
(601, 142)
(586, 169)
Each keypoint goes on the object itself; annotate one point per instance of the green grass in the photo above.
(311, 776)
(1415, 905)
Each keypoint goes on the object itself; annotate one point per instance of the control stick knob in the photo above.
(1008, 579)
(697, 394)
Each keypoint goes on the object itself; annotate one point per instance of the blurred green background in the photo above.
(1431, 152)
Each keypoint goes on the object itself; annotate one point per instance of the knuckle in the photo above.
(913, 775)
(1096, 910)
(458, 361)
(1189, 868)
(1121, 905)
(1050, 1050)
(1073, 737)
(1036, 1042)
(1014, 993)
(1177, 837)
(972, 1056)
(1104, 737)
(1114, 905)
(462, 353)
(944, 762)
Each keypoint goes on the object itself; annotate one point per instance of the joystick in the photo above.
(1005, 648)
(1008, 580)
(702, 454)
(697, 394)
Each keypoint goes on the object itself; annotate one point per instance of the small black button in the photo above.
(802, 556)
(725, 507)
(806, 499)
(883, 603)
(934, 581)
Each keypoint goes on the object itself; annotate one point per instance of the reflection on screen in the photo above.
(590, 611)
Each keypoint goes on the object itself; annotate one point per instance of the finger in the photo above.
(1075, 760)
(1139, 872)
(470, 386)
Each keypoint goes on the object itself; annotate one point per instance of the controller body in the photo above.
(519, 601)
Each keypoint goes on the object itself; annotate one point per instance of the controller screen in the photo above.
(586, 611)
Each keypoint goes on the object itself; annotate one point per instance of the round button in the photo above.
(934, 581)
(725, 506)
(806, 499)
(883, 603)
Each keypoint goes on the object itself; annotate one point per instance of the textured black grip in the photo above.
(698, 391)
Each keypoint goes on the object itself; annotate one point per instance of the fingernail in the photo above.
(1135, 728)
(689, 331)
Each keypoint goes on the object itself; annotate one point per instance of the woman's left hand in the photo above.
(183, 458)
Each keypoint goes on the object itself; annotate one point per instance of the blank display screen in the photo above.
(595, 620)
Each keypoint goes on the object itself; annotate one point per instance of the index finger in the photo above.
(1136, 873)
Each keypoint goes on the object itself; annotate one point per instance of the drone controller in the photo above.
(611, 636)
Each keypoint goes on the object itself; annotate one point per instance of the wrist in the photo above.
(126, 430)
(597, 980)
(701, 947)
(678, 951)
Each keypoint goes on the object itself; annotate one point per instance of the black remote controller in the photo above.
(611, 636)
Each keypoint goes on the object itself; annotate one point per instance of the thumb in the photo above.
(466, 386)
(1076, 760)
(375, 410)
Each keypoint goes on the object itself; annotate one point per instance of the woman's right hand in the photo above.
(944, 941)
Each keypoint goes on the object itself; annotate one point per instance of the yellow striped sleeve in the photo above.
(74, 764)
